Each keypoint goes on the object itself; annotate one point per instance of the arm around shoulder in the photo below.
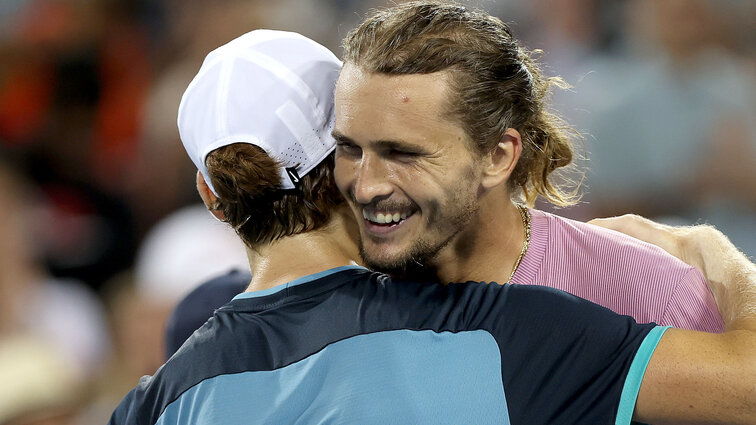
(695, 376)
(731, 276)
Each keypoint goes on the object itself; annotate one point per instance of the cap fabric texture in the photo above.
(272, 89)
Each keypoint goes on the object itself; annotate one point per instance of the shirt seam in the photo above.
(675, 290)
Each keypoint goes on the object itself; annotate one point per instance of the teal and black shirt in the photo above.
(353, 346)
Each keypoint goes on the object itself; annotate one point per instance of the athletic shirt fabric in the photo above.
(198, 306)
(349, 345)
(616, 271)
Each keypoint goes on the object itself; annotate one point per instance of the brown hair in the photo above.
(249, 191)
(497, 83)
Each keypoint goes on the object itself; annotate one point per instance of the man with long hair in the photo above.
(316, 338)
(445, 135)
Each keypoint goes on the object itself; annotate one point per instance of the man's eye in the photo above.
(402, 153)
(347, 148)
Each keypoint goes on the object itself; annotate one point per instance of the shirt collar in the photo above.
(295, 282)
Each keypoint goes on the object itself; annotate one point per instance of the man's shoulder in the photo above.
(203, 356)
(566, 235)
(622, 273)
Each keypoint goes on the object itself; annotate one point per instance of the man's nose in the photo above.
(372, 180)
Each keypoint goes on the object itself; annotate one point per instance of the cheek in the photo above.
(426, 188)
(451, 185)
(343, 173)
(431, 178)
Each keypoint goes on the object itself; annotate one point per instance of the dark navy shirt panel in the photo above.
(568, 357)
(198, 306)
(563, 359)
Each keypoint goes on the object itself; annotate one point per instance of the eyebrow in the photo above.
(384, 144)
(340, 137)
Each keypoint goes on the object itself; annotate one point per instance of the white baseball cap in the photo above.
(272, 89)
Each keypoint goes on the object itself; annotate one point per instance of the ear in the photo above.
(208, 197)
(501, 161)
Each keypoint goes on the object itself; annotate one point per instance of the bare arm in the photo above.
(694, 376)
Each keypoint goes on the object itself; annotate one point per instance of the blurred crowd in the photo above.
(100, 231)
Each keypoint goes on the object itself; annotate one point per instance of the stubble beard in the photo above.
(413, 263)
(420, 260)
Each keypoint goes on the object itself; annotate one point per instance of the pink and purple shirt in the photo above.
(616, 271)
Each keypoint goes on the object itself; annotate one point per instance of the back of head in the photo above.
(257, 121)
(496, 83)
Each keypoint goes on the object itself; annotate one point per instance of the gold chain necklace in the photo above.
(526, 223)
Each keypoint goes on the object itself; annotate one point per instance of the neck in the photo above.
(292, 257)
(488, 248)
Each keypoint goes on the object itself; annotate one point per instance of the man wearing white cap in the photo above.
(317, 338)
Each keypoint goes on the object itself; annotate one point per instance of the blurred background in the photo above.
(100, 228)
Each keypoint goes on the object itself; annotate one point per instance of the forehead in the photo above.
(414, 107)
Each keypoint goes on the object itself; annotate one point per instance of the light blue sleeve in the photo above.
(635, 375)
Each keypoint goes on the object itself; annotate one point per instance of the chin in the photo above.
(407, 266)
(383, 263)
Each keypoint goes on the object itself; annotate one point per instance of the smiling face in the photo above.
(404, 165)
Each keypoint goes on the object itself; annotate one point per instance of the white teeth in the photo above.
(384, 218)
